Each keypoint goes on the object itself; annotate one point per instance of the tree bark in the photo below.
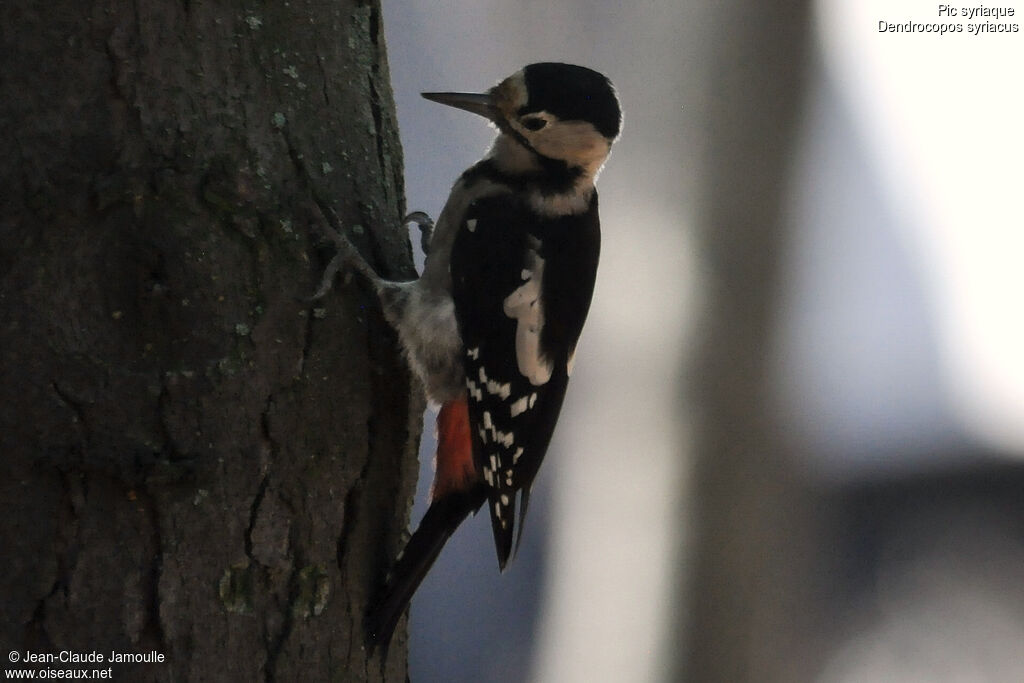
(195, 462)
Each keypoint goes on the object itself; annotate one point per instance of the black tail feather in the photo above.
(504, 534)
(508, 533)
(437, 526)
(524, 503)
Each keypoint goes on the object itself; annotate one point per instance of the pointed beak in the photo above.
(477, 103)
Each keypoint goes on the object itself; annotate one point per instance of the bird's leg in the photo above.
(348, 256)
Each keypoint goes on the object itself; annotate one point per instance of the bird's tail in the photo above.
(456, 492)
(443, 517)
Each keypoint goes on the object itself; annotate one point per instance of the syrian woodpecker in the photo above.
(491, 325)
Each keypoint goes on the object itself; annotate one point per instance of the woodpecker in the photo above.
(491, 325)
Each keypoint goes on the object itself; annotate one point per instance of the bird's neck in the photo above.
(512, 158)
(552, 186)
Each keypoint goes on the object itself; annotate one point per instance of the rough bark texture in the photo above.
(193, 460)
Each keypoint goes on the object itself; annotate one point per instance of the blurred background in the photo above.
(792, 445)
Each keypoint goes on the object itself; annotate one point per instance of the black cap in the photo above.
(573, 93)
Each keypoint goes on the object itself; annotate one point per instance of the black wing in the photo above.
(522, 285)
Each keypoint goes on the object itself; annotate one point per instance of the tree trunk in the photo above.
(750, 512)
(195, 462)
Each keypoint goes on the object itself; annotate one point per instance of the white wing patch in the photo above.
(526, 307)
(506, 439)
(495, 388)
(519, 407)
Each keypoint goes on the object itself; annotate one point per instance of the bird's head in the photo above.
(557, 111)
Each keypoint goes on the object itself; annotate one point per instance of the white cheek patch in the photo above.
(527, 308)
(576, 142)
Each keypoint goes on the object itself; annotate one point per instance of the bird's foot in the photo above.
(426, 225)
(348, 256)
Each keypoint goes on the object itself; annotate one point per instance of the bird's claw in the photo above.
(426, 225)
(348, 255)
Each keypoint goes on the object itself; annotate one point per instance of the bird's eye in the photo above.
(534, 123)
